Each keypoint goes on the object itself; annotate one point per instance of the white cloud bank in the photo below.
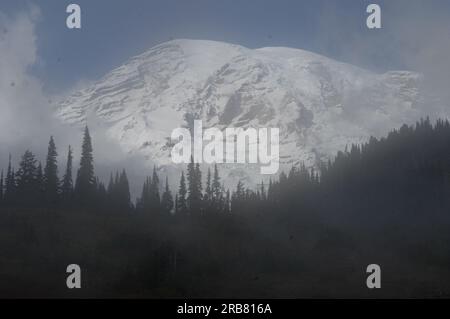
(23, 106)
(26, 113)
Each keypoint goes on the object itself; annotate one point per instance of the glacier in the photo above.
(319, 105)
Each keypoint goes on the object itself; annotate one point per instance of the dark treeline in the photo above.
(408, 171)
(310, 232)
(403, 171)
(33, 186)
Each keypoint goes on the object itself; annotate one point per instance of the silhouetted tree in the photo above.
(144, 201)
(155, 198)
(167, 199)
(238, 197)
(194, 178)
(10, 184)
(182, 191)
(1, 188)
(51, 181)
(150, 200)
(217, 194)
(85, 184)
(27, 183)
(40, 185)
(124, 192)
(176, 204)
(118, 192)
(208, 198)
(67, 182)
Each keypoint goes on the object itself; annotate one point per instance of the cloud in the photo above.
(23, 106)
(27, 113)
(414, 36)
(423, 33)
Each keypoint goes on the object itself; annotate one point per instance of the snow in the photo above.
(320, 105)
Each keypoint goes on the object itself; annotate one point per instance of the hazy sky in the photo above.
(113, 30)
(41, 60)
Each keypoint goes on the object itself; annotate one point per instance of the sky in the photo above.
(42, 60)
(113, 30)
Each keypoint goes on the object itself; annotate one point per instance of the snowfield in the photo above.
(319, 105)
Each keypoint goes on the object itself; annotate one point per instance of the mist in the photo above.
(414, 35)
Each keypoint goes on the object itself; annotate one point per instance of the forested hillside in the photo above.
(310, 233)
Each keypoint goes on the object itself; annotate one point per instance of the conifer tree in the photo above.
(198, 180)
(263, 192)
(124, 191)
(85, 184)
(167, 199)
(67, 182)
(10, 184)
(238, 197)
(118, 192)
(115, 190)
(208, 188)
(155, 199)
(194, 188)
(176, 204)
(216, 188)
(150, 200)
(27, 186)
(144, 200)
(40, 185)
(10, 188)
(208, 198)
(110, 189)
(182, 204)
(271, 192)
(1, 188)
(50, 180)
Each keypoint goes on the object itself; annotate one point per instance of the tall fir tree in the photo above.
(238, 197)
(67, 182)
(40, 185)
(1, 188)
(144, 200)
(167, 199)
(150, 201)
(51, 181)
(85, 184)
(124, 192)
(10, 184)
(176, 204)
(208, 198)
(155, 198)
(194, 188)
(110, 188)
(216, 190)
(118, 192)
(208, 188)
(182, 191)
(27, 183)
(198, 180)
(216, 182)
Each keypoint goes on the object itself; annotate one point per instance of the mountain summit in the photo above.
(320, 105)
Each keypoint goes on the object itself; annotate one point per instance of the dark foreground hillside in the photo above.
(255, 256)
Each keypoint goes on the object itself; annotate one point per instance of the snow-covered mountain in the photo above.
(319, 105)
